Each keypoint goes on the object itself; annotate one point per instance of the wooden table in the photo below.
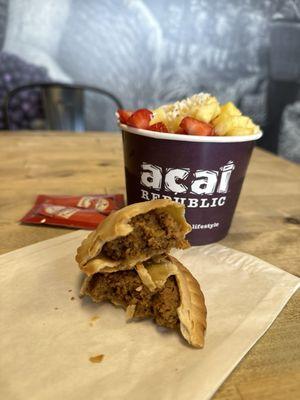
(266, 224)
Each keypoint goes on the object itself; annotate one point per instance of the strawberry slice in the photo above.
(158, 127)
(140, 119)
(180, 131)
(193, 126)
(124, 115)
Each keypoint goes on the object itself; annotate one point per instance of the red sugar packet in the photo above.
(86, 211)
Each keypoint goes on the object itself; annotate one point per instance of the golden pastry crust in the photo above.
(192, 309)
(117, 225)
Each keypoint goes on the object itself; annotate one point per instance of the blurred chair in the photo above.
(63, 104)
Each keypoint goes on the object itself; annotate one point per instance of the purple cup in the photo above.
(205, 173)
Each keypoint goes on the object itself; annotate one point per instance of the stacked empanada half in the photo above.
(127, 263)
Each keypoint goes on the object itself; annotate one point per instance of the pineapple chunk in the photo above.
(238, 131)
(226, 123)
(207, 112)
(173, 124)
(237, 125)
(227, 110)
(230, 108)
(159, 115)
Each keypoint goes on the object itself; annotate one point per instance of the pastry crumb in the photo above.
(96, 359)
(93, 319)
(139, 288)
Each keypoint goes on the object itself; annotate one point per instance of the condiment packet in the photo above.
(85, 212)
(100, 202)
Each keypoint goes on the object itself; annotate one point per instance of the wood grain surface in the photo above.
(266, 225)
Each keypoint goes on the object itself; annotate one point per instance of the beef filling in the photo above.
(153, 232)
(126, 288)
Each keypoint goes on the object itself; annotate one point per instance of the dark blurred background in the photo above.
(150, 52)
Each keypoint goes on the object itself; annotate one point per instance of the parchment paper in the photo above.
(47, 338)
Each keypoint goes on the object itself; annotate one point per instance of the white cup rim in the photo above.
(190, 138)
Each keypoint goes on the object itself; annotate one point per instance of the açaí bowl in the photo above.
(205, 173)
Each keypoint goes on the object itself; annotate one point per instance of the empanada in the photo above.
(126, 262)
(132, 235)
(160, 288)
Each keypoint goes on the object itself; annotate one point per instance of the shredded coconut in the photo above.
(179, 107)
